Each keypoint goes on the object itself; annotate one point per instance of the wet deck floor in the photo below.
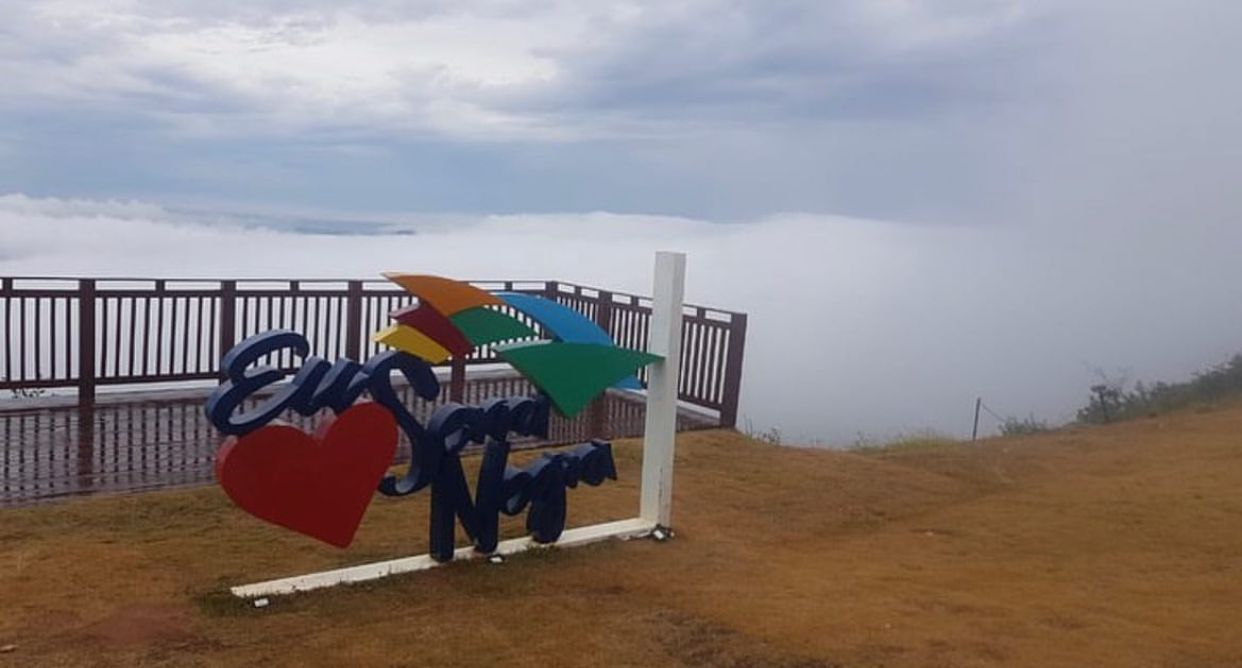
(152, 440)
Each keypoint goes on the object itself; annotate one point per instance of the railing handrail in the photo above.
(7, 286)
(713, 338)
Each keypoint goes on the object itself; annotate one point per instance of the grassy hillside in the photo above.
(1097, 546)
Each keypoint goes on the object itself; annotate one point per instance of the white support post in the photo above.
(661, 427)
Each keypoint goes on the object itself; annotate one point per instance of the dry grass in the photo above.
(1110, 546)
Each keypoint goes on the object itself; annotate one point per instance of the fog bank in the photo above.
(856, 326)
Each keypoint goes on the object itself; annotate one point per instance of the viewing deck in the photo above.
(108, 376)
(146, 440)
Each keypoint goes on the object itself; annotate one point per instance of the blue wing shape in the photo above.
(565, 325)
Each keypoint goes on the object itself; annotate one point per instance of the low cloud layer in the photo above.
(857, 326)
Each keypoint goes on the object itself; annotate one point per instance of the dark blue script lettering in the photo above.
(538, 488)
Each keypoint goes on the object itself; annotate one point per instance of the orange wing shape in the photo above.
(444, 294)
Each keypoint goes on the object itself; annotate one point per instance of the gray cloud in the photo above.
(970, 111)
(650, 88)
(799, 61)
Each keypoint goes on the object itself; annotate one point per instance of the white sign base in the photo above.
(656, 491)
(623, 530)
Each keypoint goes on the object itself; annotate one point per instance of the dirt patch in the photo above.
(141, 625)
(697, 642)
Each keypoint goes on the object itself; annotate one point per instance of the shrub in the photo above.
(1024, 427)
(1110, 401)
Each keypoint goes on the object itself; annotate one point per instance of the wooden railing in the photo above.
(85, 332)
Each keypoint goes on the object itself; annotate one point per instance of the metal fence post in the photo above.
(733, 370)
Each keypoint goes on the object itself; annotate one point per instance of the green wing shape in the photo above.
(482, 325)
(572, 374)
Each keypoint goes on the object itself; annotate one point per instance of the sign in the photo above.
(320, 484)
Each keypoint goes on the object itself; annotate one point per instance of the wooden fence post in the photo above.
(733, 370)
(86, 384)
(603, 314)
(228, 319)
(86, 343)
(353, 321)
(598, 413)
(974, 432)
(457, 380)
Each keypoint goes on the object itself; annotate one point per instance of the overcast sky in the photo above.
(958, 111)
(1054, 182)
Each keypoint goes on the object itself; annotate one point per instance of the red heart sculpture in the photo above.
(317, 485)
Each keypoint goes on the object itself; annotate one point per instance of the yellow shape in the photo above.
(444, 294)
(410, 340)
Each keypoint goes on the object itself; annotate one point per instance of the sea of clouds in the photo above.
(856, 326)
